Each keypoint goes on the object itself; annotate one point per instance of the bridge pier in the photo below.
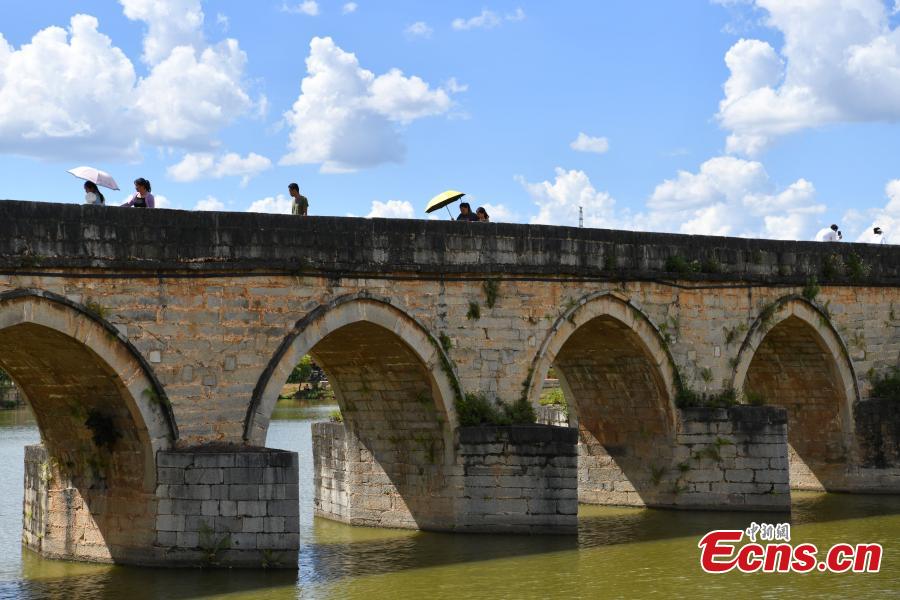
(212, 507)
(518, 479)
(720, 459)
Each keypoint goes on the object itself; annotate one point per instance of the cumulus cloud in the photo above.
(349, 7)
(840, 62)
(204, 165)
(170, 23)
(209, 203)
(190, 92)
(308, 7)
(732, 196)
(392, 209)
(40, 117)
(558, 201)
(273, 204)
(488, 19)
(189, 95)
(887, 217)
(586, 143)
(346, 118)
(419, 29)
(726, 196)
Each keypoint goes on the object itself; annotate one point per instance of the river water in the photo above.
(618, 553)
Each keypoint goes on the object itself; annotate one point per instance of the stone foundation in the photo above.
(235, 508)
(732, 459)
(229, 508)
(878, 435)
(519, 479)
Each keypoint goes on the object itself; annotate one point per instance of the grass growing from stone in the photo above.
(491, 288)
(474, 311)
(811, 289)
(475, 409)
(690, 398)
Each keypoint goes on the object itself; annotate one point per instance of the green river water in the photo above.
(618, 553)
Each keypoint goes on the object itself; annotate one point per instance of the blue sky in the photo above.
(740, 117)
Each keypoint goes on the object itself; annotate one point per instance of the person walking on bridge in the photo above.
(300, 205)
(828, 234)
(142, 197)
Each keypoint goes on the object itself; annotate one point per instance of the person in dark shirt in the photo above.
(465, 213)
(301, 204)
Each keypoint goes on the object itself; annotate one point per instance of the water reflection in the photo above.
(619, 552)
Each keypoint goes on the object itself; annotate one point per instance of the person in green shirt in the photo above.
(301, 204)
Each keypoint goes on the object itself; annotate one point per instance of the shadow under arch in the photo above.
(102, 416)
(793, 357)
(396, 390)
(620, 381)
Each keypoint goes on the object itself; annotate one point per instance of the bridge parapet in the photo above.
(46, 235)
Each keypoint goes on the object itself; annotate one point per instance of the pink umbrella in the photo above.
(96, 175)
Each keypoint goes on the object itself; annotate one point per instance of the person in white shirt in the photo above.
(880, 234)
(92, 194)
(828, 234)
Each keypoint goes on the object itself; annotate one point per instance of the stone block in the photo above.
(251, 508)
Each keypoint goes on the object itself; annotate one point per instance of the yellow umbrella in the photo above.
(443, 199)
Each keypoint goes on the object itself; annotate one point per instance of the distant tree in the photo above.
(306, 371)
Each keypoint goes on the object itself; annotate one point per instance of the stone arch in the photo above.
(793, 357)
(102, 416)
(620, 380)
(396, 390)
(325, 319)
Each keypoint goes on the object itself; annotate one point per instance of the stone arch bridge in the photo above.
(152, 346)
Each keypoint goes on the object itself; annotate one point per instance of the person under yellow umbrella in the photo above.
(443, 199)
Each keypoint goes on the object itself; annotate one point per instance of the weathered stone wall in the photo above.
(228, 507)
(878, 425)
(734, 459)
(221, 508)
(519, 479)
(353, 486)
(67, 516)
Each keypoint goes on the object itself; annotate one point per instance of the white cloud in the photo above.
(558, 201)
(307, 7)
(499, 212)
(840, 62)
(586, 143)
(419, 29)
(488, 19)
(209, 203)
(727, 196)
(190, 95)
(349, 7)
(732, 196)
(50, 109)
(170, 23)
(41, 117)
(223, 22)
(392, 209)
(346, 118)
(278, 204)
(204, 165)
(158, 201)
(888, 217)
(455, 87)
(516, 15)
